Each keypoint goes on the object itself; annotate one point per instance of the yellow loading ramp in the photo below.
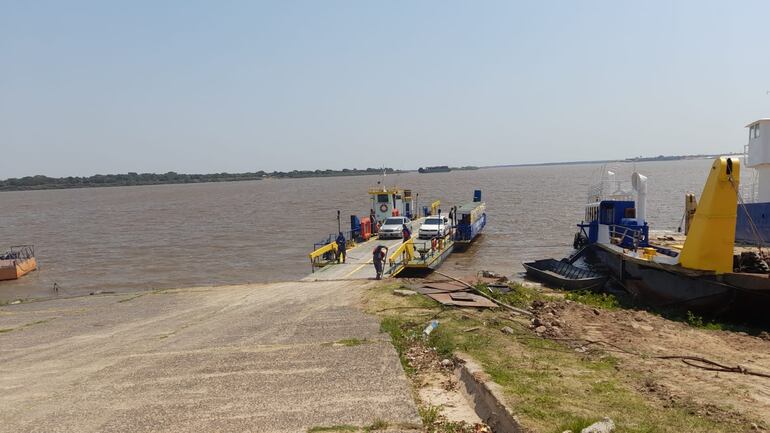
(358, 264)
(419, 256)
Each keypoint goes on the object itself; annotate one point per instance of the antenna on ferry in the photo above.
(382, 181)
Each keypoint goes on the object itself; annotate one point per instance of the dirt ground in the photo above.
(636, 337)
(579, 359)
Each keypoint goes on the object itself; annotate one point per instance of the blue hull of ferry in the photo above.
(760, 215)
(466, 233)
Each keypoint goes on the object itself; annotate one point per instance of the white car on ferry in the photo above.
(434, 226)
(393, 227)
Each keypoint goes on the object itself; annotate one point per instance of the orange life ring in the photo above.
(383, 207)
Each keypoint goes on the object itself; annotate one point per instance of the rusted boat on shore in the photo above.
(17, 261)
(564, 274)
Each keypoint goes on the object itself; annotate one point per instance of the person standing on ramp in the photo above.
(341, 248)
(378, 258)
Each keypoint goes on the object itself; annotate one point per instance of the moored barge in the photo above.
(702, 275)
(17, 262)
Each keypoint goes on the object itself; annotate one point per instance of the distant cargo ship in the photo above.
(436, 169)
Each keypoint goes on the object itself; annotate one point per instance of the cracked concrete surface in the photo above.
(239, 358)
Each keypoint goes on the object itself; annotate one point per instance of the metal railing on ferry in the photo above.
(626, 236)
(436, 246)
(325, 252)
(401, 257)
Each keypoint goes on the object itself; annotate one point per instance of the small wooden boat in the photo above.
(563, 274)
(17, 262)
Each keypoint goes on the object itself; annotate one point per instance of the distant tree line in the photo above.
(131, 179)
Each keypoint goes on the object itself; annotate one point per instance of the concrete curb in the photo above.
(485, 396)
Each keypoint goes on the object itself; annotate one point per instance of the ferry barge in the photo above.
(702, 275)
(413, 256)
(17, 262)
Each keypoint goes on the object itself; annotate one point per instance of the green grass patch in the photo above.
(350, 342)
(575, 424)
(698, 322)
(131, 298)
(708, 323)
(26, 325)
(519, 296)
(606, 301)
(442, 339)
(401, 332)
(378, 424)
(549, 386)
(429, 415)
(38, 322)
(333, 428)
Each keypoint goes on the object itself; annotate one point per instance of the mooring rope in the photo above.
(752, 225)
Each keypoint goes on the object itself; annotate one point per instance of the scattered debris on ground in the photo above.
(404, 292)
(449, 292)
(604, 426)
(442, 405)
(702, 369)
(616, 367)
(444, 408)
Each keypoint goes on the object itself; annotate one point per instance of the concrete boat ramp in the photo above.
(286, 357)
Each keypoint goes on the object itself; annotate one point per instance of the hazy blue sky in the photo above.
(189, 86)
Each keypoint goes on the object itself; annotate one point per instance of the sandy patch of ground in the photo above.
(284, 357)
(636, 337)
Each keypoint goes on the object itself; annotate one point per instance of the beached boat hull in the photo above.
(14, 269)
(745, 297)
(563, 275)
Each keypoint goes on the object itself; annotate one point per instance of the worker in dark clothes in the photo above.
(407, 234)
(375, 223)
(378, 258)
(341, 247)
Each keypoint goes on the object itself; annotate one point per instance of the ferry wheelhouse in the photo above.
(392, 201)
(613, 216)
(753, 223)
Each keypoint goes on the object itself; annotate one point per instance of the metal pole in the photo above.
(339, 224)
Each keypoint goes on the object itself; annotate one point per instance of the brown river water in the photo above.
(147, 237)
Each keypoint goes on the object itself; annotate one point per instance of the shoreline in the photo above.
(179, 340)
(337, 173)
